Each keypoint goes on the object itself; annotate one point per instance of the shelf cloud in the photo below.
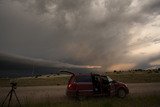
(82, 32)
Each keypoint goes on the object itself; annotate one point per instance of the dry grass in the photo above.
(130, 101)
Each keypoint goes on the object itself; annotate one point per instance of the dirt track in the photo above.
(58, 92)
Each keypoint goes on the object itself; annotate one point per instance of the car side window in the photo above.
(104, 79)
(83, 79)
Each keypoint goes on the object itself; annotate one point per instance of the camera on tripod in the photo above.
(14, 85)
(11, 92)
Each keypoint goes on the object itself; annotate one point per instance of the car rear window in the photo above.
(83, 79)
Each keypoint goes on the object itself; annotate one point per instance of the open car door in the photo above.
(112, 88)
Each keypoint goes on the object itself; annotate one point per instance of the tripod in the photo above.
(11, 92)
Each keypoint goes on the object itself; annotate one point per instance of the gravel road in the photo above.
(58, 92)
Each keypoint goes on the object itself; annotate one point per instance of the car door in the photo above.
(112, 88)
(84, 85)
(97, 84)
(105, 85)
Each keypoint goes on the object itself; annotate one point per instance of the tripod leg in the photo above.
(17, 98)
(6, 98)
(10, 98)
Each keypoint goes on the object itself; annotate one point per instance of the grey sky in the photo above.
(82, 32)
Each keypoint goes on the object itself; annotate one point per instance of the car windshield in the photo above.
(109, 79)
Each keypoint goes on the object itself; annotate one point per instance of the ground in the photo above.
(47, 92)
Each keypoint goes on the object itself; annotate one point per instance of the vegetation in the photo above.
(31, 81)
(140, 77)
(130, 101)
(126, 77)
(151, 100)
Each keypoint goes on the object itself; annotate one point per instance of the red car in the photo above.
(94, 85)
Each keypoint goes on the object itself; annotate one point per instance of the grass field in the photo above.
(130, 101)
(61, 80)
(36, 81)
(136, 77)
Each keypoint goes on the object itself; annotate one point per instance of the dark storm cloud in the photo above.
(153, 7)
(145, 63)
(69, 30)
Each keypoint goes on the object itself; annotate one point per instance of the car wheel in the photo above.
(121, 93)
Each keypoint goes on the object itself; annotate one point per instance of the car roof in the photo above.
(86, 74)
(83, 74)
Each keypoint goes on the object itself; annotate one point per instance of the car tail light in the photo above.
(71, 86)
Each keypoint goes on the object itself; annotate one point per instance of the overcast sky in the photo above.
(114, 34)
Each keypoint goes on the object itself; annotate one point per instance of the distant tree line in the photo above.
(139, 70)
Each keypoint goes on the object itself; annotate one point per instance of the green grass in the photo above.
(4, 82)
(43, 81)
(129, 101)
(36, 81)
(136, 77)
(47, 81)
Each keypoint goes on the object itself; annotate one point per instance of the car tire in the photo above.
(121, 93)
